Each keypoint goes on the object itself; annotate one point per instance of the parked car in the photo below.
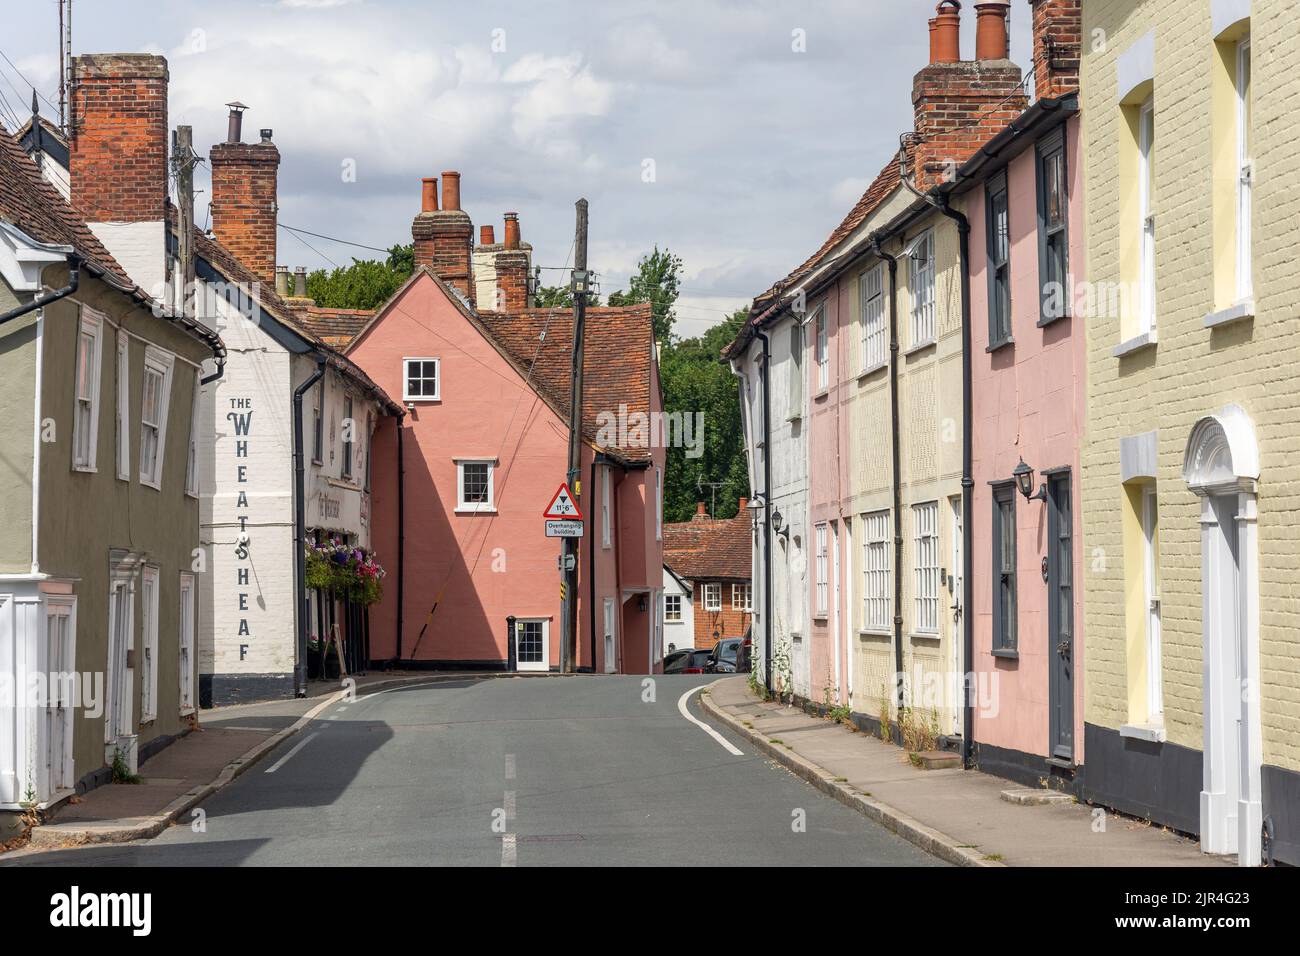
(744, 655)
(673, 659)
(722, 659)
(689, 661)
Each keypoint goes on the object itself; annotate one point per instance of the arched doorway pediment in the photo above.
(1222, 453)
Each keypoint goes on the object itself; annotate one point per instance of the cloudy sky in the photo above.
(758, 123)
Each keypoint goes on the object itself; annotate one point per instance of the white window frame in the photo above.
(60, 661)
(741, 598)
(606, 504)
(611, 637)
(149, 604)
(1246, 175)
(659, 504)
(711, 596)
(87, 427)
(161, 362)
(192, 462)
(1151, 591)
(318, 423)
(925, 537)
(821, 591)
(877, 600)
(822, 348)
(476, 507)
(1147, 219)
(874, 334)
(406, 379)
(670, 616)
(123, 405)
(921, 289)
(349, 438)
(187, 628)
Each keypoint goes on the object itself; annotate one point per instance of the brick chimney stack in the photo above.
(1058, 34)
(512, 265)
(244, 197)
(444, 237)
(960, 104)
(701, 513)
(118, 158)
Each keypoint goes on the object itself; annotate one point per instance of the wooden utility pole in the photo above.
(569, 553)
(183, 161)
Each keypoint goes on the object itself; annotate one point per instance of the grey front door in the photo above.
(1060, 616)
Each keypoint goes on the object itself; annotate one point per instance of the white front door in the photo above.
(532, 645)
(60, 667)
(835, 609)
(611, 640)
(117, 718)
(956, 636)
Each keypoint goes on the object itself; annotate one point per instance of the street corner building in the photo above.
(1192, 463)
(98, 582)
(708, 568)
(282, 386)
(462, 482)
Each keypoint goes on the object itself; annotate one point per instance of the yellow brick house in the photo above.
(1191, 465)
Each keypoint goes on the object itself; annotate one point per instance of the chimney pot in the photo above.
(282, 281)
(429, 195)
(945, 33)
(451, 190)
(235, 122)
(991, 41)
(512, 230)
(300, 282)
(744, 503)
(266, 135)
(486, 236)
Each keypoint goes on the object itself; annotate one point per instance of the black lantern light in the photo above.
(1024, 476)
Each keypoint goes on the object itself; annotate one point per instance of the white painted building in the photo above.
(678, 613)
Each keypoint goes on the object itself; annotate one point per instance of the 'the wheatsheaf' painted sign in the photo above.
(241, 416)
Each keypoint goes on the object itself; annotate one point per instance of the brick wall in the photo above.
(118, 149)
(1057, 28)
(728, 622)
(244, 203)
(958, 107)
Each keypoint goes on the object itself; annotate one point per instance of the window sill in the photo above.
(925, 636)
(920, 347)
(821, 618)
(1243, 311)
(192, 494)
(1008, 342)
(1153, 733)
(873, 369)
(155, 485)
(476, 511)
(421, 400)
(1006, 654)
(186, 711)
(1049, 320)
(791, 419)
(821, 395)
(318, 461)
(874, 632)
(88, 470)
(1147, 340)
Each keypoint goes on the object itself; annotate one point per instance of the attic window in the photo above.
(421, 380)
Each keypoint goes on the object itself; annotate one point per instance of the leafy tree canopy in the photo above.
(366, 284)
(658, 282)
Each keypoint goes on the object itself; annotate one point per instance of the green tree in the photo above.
(696, 381)
(658, 282)
(366, 284)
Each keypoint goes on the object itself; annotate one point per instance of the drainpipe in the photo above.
(967, 489)
(896, 452)
(767, 511)
(300, 531)
(45, 298)
(401, 540)
(591, 562)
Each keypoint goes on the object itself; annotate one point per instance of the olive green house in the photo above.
(99, 503)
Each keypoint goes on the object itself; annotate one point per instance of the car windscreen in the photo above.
(727, 650)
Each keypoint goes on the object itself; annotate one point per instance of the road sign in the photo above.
(563, 508)
(563, 529)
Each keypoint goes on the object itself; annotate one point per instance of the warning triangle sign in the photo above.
(562, 506)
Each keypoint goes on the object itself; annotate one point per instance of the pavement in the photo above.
(598, 770)
(961, 816)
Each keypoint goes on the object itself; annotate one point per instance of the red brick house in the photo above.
(708, 565)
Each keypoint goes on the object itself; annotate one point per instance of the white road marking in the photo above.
(510, 805)
(260, 730)
(510, 766)
(508, 849)
(285, 759)
(681, 706)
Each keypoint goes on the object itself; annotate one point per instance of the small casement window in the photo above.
(1053, 234)
(820, 561)
(422, 380)
(1147, 216)
(85, 421)
(149, 642)
(369, 438)
(925, 543)
(1246, 173)
(795, 392)
(875, 571)
(192, 460)
(740, 600)
(672, 607)
(823, 350)
(998, 217)
(123, 406)
(712, 596)
(659, 504)
(873, 317)
(186, 643)
(155, 396)
(318, 424)
(1004, 567)
(474, 485)
(921, 287)
(349, 436)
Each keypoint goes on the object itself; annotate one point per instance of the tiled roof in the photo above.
(616, 363)
(28, 201)
(710, 550)
(337, 327)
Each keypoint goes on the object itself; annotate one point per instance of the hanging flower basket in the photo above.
(350, 572)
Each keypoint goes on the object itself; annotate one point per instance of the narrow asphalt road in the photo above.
(565, 771)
